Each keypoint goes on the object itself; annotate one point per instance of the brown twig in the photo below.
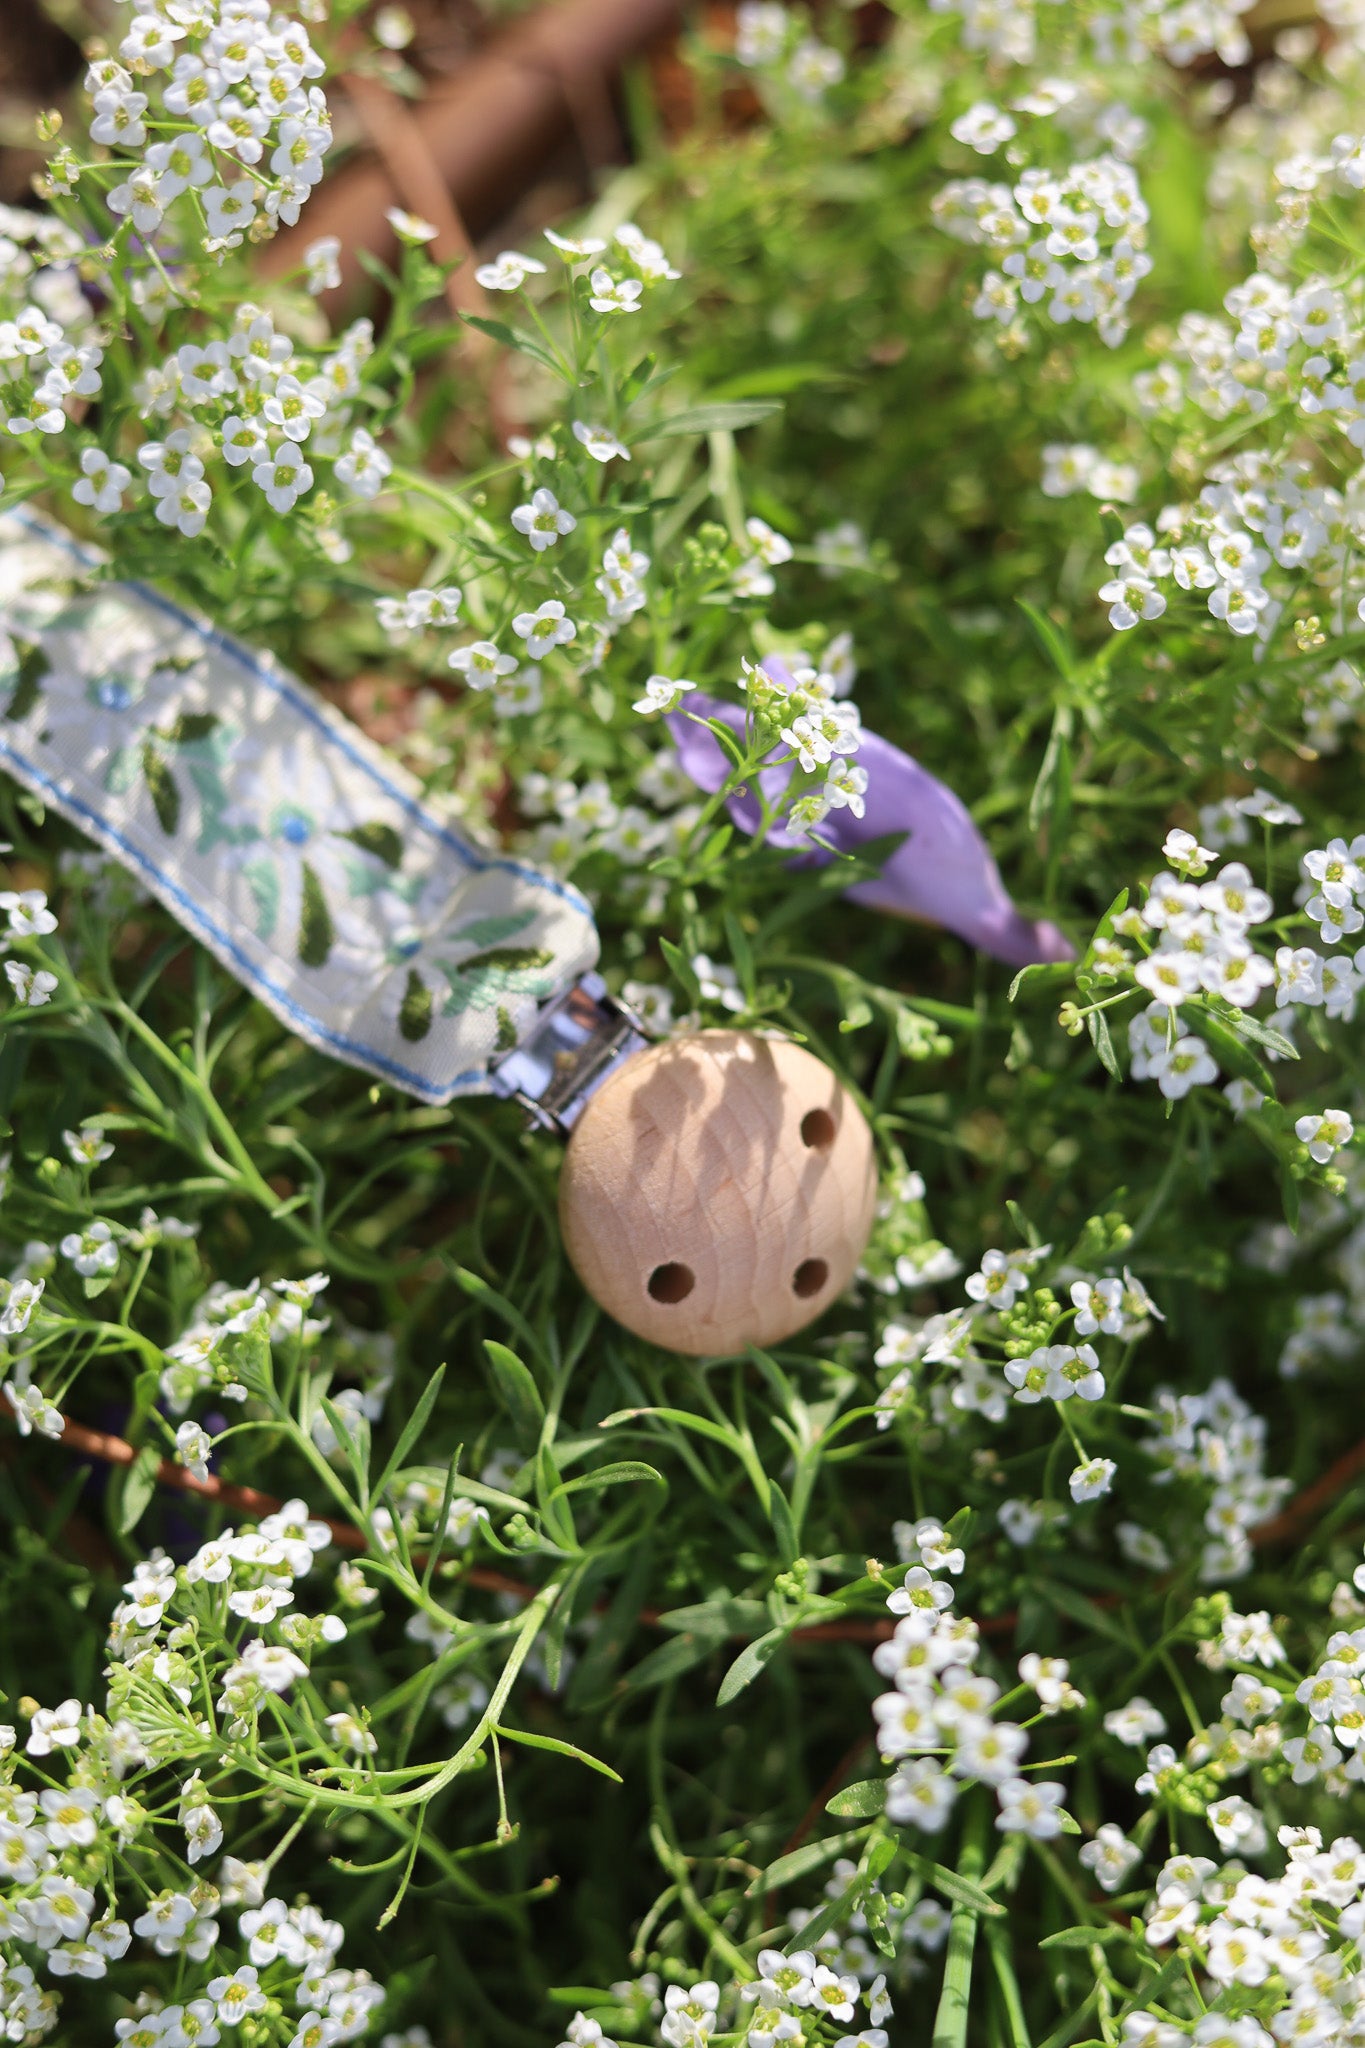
(1334, 1480)
(405, 151)
(116, 1450)
(489, 127)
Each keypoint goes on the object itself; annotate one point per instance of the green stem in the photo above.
(950, 2021)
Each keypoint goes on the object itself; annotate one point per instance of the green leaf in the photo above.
(1085, 1937)
(634, 381)
(479, 1290)
(630, 1471)
(752, 1660)
(1233, 1053)
(670, 1661)
(1097, 1024)
(1273, 1041)
(1039, 976)
(682, 968)
(726, 415)
(721, 1616)
(413, 1428)
(856, 1802)
(315, 922)
(511, 337)
(1105, 928)
(139, 1484)
(518, 1393)
(1145, 734)
(554, 1509)
(1075, 1604)
(741, 952)
(778, 377)
(1052, 790)
(353, 1434)
(800, 1862)
(551, 1742)
(380, 840)
(1052, 641)
(952, 1884)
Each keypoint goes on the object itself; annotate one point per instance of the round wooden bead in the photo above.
(718, 1190)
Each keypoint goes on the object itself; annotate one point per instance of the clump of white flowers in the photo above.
(1069, 240)
(83, 1794)
(777, 42)
(1182, 31)
(1194, 954)
(939, 1723)
(1215, 1442)
(51, 346)
(211, 122)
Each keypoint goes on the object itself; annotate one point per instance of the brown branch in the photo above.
(486, 130)
(1334, 1480)
(404, 148)
(116, 1450)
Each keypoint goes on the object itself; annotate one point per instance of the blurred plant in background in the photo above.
(986, 1665)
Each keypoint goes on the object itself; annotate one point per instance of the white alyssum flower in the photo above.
(1324, 1135)
(983, 128)
(614, 295)
(661, 693)
(91, 1251)
(192, 1447)
(545, 628)
(1093, 1479)
(32, 987)
(509, 273)
(600, 443)
(481, 664)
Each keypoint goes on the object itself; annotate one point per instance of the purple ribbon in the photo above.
(942, 872)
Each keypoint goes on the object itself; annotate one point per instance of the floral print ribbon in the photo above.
(299, 853)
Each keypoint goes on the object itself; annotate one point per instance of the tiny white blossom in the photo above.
(322, 271)
(410, 227)
(1325, 1134)
(509, 273)
(545, 628)
(102, 482)
(544, 521)
(614, 295)
(1093, 1479)
(600, 443)
(662, 693)
(32, 986)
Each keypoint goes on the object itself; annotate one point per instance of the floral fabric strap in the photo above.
(298, 852)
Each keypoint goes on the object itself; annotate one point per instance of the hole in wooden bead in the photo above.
(817, 1131)
(809, 1277)
(673, 1282)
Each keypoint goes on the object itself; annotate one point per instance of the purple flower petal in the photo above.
(942, 871)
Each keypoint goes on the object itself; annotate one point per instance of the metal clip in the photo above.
(576, 1042)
